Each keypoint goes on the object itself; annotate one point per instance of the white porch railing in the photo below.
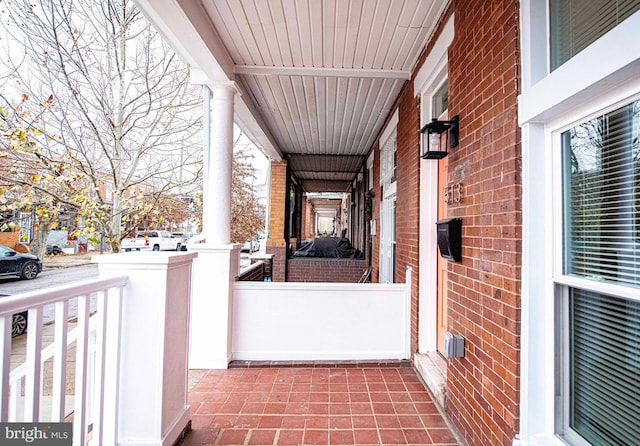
(95, 340)
(129, 381)
(321, 321)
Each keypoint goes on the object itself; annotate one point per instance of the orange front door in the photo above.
(441, 317)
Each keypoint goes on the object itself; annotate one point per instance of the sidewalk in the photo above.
(67, 260)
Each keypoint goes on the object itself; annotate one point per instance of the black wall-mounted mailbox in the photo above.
(450, 238)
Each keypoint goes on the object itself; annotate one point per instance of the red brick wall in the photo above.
(10, 239)
(484, 289)
(276, 243)
(254, 273)
(325, 270)
(408, 199)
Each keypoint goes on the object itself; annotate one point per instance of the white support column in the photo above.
(216, 212)
(217, 265)
(151, 386)
(214, 272)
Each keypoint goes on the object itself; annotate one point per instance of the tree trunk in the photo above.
(38, 245)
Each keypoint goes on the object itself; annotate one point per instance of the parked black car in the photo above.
(12, 263)
(19, 322)
(52, 250)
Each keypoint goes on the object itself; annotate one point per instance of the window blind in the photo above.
(605, 368)
(387, 153)
(602, 197)
(575, 24)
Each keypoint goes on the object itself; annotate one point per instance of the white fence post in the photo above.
(152, 386)
(408, 283)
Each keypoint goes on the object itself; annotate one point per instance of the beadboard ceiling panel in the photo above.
(318, 77)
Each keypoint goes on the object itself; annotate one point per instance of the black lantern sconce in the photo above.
(432, 145)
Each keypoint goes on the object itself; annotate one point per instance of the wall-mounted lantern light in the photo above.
(432, 144)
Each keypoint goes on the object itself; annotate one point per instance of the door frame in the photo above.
(428, 80)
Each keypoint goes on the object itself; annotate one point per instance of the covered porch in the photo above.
(115, 361)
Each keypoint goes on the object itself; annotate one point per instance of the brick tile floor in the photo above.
(314, 406)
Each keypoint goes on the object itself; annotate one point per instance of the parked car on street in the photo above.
(151, 241)
(195, 240)
(19, 322)
(13, 263)
(52, 250)
(252, 245)
(184, 239)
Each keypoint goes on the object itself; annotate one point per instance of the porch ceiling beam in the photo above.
(321, 72)
(298, 171)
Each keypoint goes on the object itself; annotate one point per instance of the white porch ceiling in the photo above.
(318, 77)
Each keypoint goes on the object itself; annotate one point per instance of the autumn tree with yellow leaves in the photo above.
(98, 118)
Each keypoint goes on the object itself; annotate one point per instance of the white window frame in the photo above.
(388, 145)
(370, 171)
(562, 282)
(549, 103)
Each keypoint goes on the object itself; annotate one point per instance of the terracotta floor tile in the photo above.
(319, 437)
(301, 387)
(262, 437)
(396, 387)
(392, 436)
(270, 421)
(401, 397)
(203, 421)
(224, 421)
(275, 408)
(233, 436)
(387, 422)
(317, 422)
(247, 421)
(366, 437)
(342, 397)
(290, 437)
(359, 397)
(361, 408)
(340, 409)
(410, 422)
(442, 435)
(405, 408)
(417, 437)
(319, 408)
(296, 397)
(340, 422)
(319, 397)
(341, 437)
(319, 387)
(433, 420)
(209, 408)
(426, 408)
(338, 388)
(322, 405)
(254, 408)
(358, 386)
(380, 397)
(377, 387)
(383, 408)
(278, 397)
(363, 422)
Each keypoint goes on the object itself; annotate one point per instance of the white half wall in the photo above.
(320, 321)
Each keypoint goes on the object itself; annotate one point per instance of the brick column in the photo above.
(276, 242)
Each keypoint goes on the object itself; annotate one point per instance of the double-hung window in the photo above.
(598, 304)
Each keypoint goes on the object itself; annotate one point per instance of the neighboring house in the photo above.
(544, 179)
